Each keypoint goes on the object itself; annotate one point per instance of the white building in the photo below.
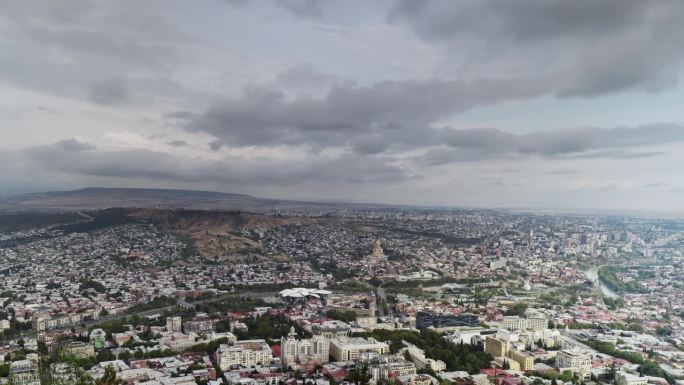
(246, 353)
(422, 362)
(574, 360)
(292, 350)
(349, 349)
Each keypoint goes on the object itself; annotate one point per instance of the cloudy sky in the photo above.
(558, 104)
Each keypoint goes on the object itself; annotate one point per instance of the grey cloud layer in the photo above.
(75, 157)
(586, 48)
(396, 116)
(368, 118)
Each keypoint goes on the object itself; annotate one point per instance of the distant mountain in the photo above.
(95, 198)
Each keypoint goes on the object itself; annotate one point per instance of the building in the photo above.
(422, 362)
(497, 347)
(497, 264)
(245, 353)
(537, 322)
(525, 360)
(349, 349)
(174, 324)
(312, 350)
(332, 330)
(574, 360)
(198, 326)
(44, 323)
(79, 350)
(623, 378)
(438, 320)
(25, 372)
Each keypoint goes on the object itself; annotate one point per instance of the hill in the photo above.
(96, 198)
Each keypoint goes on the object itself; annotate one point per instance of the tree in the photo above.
(566, 376)
(359, 376)
(554, 382)
(109, 377)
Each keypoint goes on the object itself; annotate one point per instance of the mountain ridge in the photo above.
(97, 198)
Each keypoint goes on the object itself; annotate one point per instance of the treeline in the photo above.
(469, 358)
(608, 276)
(341, 315)
(646, 367)
(268, 327)
(15, 222)
(157, 303)
(101, 220)
(237, 303)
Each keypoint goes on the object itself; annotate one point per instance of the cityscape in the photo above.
(340, 295)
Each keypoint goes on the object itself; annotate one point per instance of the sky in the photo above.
(525, 104)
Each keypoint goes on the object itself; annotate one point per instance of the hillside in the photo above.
(216, 233)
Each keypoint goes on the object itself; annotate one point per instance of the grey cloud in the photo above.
(77, 158)
(521, 20)
(390, 112)
(572, 143)
(303, 8)
(177, 143)
(72, 145)
(306, 75)
(110, 91)
(237, 3)
(566, 141)
(563, 172)
(396, 116)
(308, 9)
(215, 145)
(589, 48)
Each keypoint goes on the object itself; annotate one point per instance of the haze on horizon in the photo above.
(561, 104)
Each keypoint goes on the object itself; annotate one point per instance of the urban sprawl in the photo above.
(412, 297)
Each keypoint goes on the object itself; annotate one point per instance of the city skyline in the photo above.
(570, 105)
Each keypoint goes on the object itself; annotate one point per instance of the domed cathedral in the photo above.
(378, 253)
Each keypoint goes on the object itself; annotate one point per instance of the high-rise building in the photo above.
(496, 346)
(312, 350)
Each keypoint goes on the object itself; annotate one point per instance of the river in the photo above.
(592, 274)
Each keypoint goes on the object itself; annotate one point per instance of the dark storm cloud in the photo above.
(590, 47)
(110, 91)
(74, 157)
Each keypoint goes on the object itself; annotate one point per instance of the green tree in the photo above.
(109, 377)
(565, 376)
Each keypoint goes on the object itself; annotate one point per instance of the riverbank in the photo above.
(592, 274)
